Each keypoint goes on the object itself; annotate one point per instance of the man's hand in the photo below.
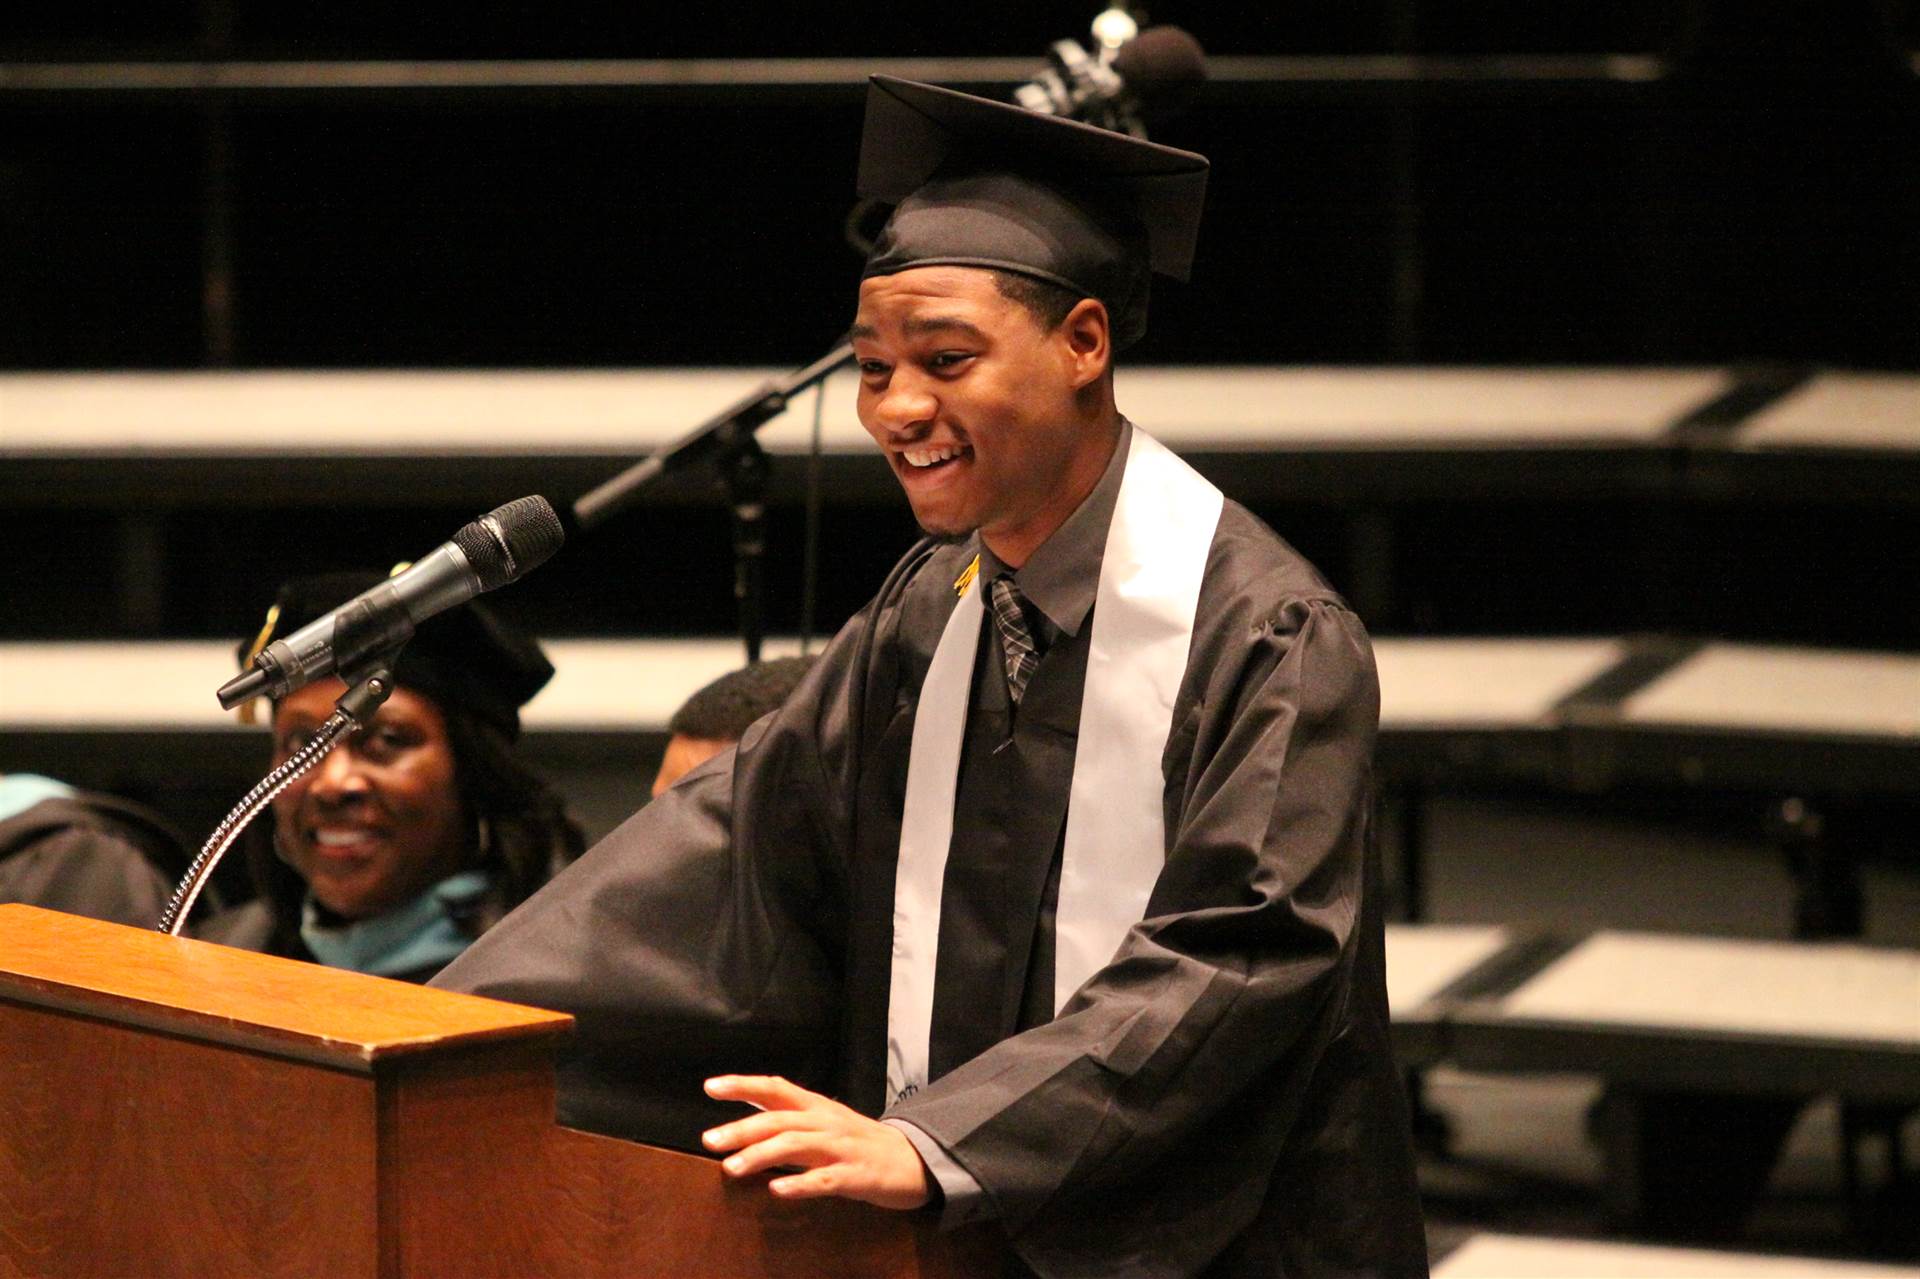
(842, 1151)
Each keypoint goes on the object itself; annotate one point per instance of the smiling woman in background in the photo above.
(417, 833)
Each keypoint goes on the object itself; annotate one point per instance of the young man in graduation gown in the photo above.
(1047, 899)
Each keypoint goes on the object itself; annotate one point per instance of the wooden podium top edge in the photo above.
(199, 990)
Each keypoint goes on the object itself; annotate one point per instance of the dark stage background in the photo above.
(1689, 182)
(1411, 182)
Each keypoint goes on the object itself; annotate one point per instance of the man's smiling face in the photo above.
(974, 405)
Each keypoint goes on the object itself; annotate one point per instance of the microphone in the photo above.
(1157, 68)
(499, 547)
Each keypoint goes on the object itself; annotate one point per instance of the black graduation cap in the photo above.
(988, 184)
(465, 658)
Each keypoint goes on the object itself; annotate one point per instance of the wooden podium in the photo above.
(172, 1107)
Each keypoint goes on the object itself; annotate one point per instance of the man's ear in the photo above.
(1089, 339)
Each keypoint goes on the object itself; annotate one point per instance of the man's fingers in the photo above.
(848, 1181)
(839, 1151)
(797, 1149)
(744, 1132)
(769, 1092)
(816, 1183)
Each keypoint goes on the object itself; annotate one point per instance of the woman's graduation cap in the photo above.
(987, 184)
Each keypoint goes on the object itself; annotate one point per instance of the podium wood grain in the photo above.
(169, 1107)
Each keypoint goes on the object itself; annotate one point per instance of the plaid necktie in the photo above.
(1016, 636)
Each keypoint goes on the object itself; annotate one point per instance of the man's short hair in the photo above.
(726, 708)
(1047, 302)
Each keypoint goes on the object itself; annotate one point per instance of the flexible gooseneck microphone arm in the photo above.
(353, 709)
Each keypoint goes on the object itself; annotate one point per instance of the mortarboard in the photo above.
(466, 657)
(987, 184)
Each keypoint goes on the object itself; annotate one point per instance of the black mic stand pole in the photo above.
(367, 688)
(745, 468)
(728, 439)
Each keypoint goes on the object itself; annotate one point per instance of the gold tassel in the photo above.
(965, 580)
(247, 710)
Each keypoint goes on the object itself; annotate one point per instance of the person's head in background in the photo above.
(718, 715)
(424, 827)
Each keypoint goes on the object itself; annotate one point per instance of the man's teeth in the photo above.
(338, 838)
(927, 457)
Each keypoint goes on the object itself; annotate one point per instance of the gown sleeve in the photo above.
(702, 936)
(1140, 1131)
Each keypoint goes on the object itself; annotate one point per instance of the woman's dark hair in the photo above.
(528, 836)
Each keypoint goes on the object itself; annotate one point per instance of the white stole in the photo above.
(1156, 554)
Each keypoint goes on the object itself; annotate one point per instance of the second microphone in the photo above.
(498, 548)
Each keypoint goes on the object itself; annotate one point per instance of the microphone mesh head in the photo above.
(510, 541)
(1161, 60)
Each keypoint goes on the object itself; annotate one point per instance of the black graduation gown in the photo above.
(1220, 1100)
(91, 855)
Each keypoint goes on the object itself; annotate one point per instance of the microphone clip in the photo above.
(1080, 86)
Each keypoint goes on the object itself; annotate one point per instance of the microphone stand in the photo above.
(365, 692)
(728, 440)
(745, 467)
